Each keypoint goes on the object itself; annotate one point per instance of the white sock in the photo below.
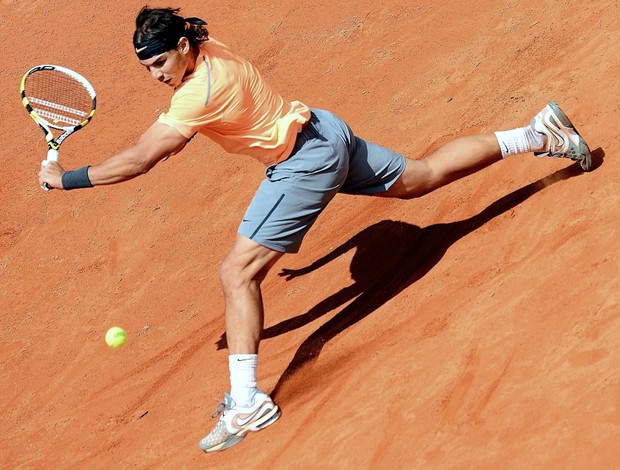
(243, 378)
(521, 140)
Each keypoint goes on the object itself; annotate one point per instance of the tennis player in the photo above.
(310, 155)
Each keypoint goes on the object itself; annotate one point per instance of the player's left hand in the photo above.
(51, 174)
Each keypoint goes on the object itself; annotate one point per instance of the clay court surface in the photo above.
(477, 327)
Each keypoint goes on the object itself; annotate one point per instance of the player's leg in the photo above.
(550, 133)
(246, 408)
(241, 274)
(282, 211)
(456, 159)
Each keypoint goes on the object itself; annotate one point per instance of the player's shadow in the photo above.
(390, 256)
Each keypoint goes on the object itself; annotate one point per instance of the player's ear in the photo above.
(183, 46)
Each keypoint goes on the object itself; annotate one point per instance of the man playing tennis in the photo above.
(310, 155)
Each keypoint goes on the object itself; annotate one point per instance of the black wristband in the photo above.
(75, 179)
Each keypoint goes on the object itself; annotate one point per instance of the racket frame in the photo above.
(53, 144)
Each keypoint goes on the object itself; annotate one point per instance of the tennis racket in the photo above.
(60, 99)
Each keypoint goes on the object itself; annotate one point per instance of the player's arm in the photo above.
(157, 143)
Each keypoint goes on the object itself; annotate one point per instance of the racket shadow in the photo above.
(389, 257)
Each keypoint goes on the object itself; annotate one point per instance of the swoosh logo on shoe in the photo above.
(241, 420)
(559, 142)
(554, 147)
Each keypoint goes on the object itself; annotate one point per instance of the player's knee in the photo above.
(416, 180)
(427, 178)
(231, 273)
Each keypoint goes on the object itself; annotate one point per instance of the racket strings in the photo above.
(58, 98)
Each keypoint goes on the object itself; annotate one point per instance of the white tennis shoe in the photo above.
(562, 140)
(236, 421)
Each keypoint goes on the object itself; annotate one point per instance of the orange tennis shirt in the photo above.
(228, 100)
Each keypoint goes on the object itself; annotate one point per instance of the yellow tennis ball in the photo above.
(115, 337)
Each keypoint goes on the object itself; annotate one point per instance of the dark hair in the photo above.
(165, 27)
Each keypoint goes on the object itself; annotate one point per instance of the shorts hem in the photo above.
(291, 249)
(376, 190)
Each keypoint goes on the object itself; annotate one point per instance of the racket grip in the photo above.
(52, 156)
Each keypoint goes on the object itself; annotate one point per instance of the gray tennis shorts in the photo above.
(327, 158)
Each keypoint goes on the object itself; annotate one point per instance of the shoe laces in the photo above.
(221, 408)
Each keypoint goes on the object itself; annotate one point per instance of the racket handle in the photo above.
(52, 156)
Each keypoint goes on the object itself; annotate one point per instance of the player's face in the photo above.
(170, 67)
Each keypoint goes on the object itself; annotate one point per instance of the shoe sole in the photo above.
(585, 159)
(231, 441)
(267, 420)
